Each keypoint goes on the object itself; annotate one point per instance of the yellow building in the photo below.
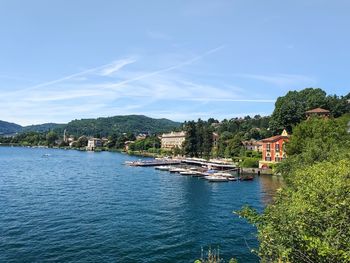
(173, 140)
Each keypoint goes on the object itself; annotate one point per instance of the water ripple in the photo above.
(89, 207)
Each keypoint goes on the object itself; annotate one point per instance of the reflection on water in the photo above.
(269, 184)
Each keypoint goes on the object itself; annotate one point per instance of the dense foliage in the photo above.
(290, 109)
(199, 138)
(309, 219)
(118, 125)
(249, 127)
(231, 133)
(26, 139)
(45, 127)
(100, 127)
(146, 144)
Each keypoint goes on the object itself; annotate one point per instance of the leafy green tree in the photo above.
(51, 138)
(290, 109)
(315, 140)
(190, 144)
(309, 219)
(207, 141)
(82, 142)
(234, 146)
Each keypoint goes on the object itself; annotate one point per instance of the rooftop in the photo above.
(174, 134)
(317, 110)
(284, 135)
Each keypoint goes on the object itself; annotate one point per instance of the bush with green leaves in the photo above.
(309, 220)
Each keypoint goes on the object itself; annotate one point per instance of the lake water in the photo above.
(75, 206)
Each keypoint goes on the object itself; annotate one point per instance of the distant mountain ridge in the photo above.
(103, 126)
(9, 128)
(42, 127)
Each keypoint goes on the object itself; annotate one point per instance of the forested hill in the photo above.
(42, 127)
(9, 128)
(117, 125)
(100, 126)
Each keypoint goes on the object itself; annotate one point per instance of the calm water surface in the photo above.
(75, 206)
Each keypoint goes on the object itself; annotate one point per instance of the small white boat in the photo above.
(223, 174)
(232, 178)
(216, 178)
(198, 174)
(177, 170)
(188, 172)
(163, 168)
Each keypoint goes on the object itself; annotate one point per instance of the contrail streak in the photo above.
(190, 61)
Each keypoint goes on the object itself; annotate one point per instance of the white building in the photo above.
(93, 143)
(173, 140)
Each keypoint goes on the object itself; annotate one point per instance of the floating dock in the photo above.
(161, 162)
(154, 163)
(211, 164)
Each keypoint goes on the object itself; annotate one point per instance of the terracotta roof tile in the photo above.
(317, 110)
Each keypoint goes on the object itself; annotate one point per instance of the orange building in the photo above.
(273, 150)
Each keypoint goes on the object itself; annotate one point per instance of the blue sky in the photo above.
(64, 60)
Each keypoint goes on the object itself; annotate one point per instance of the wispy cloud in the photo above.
(116, 66)
(282, 80)
(99, 91)
(164, 70)
(106, 69)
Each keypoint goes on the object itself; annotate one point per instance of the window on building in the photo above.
(277, 147)
(268, 147)
(268, 159)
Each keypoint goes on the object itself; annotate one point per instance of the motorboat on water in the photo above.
(216, 178)
(232, 178)
(177, 170)
(223, 174)
(163, 168)
(229, 176)
(189, 172)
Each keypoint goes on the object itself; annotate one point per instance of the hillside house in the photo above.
(94, 143)
(253, 145)
(319, 112)
(273, 149)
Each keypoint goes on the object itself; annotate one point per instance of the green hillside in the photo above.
(102, 126)
(42, 127)
(9, 128)
(118, 125)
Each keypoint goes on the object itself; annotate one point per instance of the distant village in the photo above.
(272, 149)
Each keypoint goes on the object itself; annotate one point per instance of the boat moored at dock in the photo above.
(163, 168)
(177, 170)
(153, 162)
(216, 178)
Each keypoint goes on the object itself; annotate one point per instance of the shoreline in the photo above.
(255, 171)
(131, 153)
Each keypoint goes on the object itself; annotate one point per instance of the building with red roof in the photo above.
(317, 112)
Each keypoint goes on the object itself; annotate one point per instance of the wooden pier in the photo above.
(221, 166)
(153, 163)
(189, 161)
